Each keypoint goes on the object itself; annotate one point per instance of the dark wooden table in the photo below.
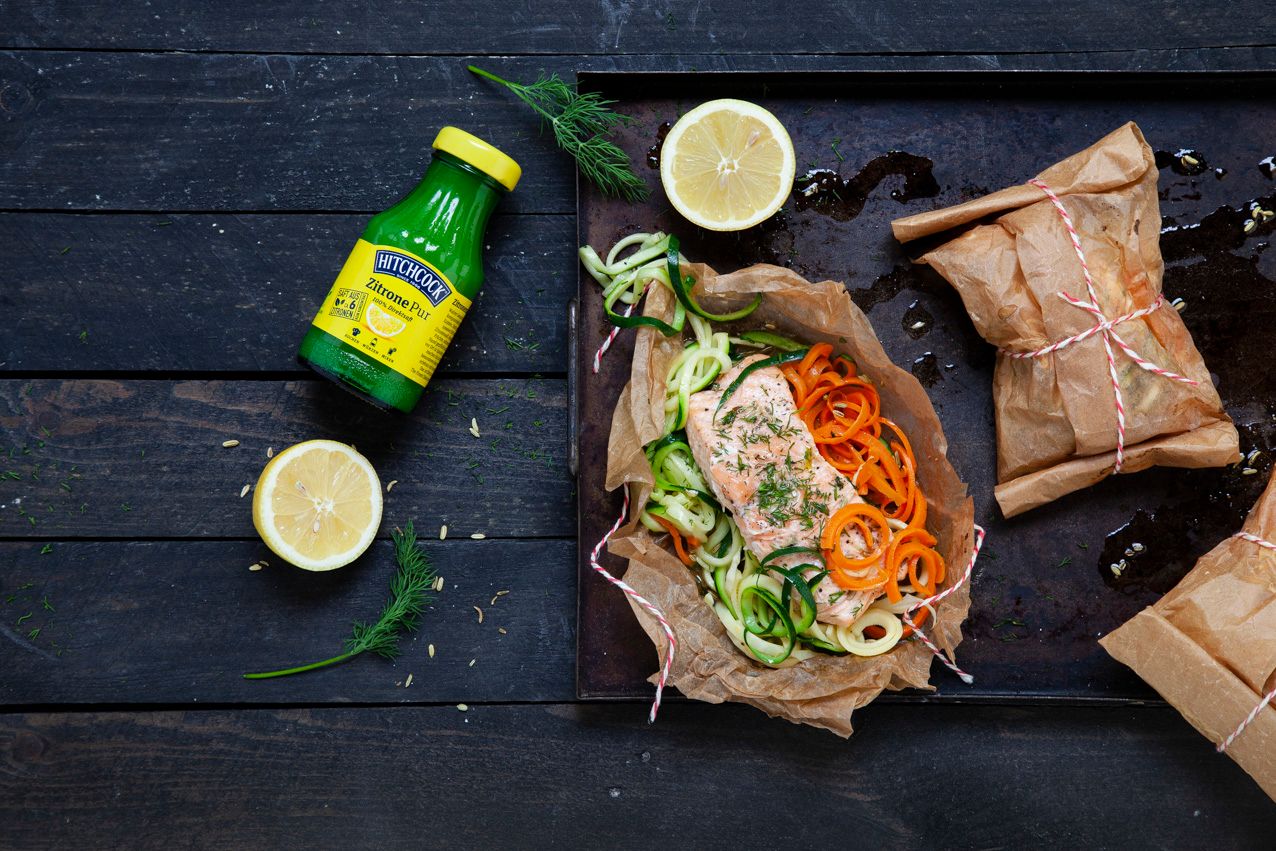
(178, 186)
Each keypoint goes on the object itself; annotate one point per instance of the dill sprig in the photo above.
(409, 595)
(581, 123)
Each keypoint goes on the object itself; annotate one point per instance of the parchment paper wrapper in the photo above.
(1056, 415)
(825, 690)
(1209, 646)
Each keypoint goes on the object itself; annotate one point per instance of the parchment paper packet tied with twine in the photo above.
(1209, 646)
(1027, 286)
(823, 691)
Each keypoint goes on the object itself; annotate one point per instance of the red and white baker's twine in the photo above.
(640, 600)
(965, 577)
(1271, 695)
(1104, 326)
(611, 336)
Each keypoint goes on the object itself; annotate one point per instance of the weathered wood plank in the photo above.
(179, 622)
(199, 132)
(236, 292)
(572, 776)
(130, 459)
(602, 27)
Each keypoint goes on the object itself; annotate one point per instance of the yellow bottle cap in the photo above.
(484, 157)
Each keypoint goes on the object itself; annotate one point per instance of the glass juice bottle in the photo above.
(411, 277)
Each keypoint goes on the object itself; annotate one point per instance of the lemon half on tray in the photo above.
(318, 504)
(727, 165)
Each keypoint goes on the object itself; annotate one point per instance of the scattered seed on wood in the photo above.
(244, 491)
(438, 584)
(480, 613)
(462, 707)
(392, 483)
(474, 429)
(228, 444)
(431, 651)
(254, 567)
(270, 452)
(478, 536)
(1249, 471)
(501, 630)
(443, 532)
(1188, 159)
(1250, 225)
(472, 661)
(502, 593)
(408, 681)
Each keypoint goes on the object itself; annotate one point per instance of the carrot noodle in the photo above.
(842, 410)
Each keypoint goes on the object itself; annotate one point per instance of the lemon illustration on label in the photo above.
(381, 322)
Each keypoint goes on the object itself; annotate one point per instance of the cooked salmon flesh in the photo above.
(763, 466)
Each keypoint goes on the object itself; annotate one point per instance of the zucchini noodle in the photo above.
(769, 612)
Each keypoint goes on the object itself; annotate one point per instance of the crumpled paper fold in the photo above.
(1209, 646)
(1056, 414)
(826, 690)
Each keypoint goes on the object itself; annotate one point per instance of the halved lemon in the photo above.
(381, 322)
(318, 504)
(727, 165)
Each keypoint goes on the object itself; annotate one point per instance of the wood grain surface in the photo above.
(126, 458)
(178, 186)
(581, 776)
(233, 293)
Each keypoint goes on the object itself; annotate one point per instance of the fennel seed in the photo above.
(480, 613)
(431, 651)
(478, 536)
(229, 444)
(392, 483)
(244, 491)
(443, 532)
(408, 681)
(462, 707)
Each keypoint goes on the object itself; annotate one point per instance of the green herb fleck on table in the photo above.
(521, 345)
(84, 336)
(409, 595)
(46, 549)
(581, 124)
(1067, 560)
(834, 145)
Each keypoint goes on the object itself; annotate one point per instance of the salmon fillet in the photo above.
(763, 466)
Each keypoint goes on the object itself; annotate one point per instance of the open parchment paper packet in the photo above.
(1209, 646)
(825, 690)
(1056, 414)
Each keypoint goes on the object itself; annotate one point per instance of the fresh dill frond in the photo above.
(581, 123)
(409, 595)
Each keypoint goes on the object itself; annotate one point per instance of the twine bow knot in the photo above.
(1104, 327)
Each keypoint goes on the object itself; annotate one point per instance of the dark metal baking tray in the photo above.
(1043, 591)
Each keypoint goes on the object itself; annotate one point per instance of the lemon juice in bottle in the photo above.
(411, 278)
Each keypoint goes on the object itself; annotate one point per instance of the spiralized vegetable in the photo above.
(768, 611)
